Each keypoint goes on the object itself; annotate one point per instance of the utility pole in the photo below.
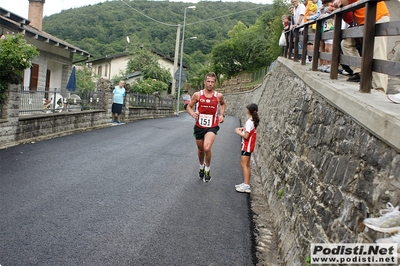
(178, 34)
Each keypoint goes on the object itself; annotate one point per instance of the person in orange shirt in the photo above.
(313, 11)
(380, 81)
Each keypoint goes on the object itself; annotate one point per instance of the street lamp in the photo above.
(180, 63)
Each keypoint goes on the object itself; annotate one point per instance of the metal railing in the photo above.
(367, 32)
(57, 101)
(136, 99)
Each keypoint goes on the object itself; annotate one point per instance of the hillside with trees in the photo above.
(102, 29)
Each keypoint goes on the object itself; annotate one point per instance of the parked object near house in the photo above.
(56, 103)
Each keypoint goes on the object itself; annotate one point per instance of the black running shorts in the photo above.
(245, 153)
(199, 132)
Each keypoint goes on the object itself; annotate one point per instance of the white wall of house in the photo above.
(110, 68)
(56, 70)
(168, 65)
(115, 66)
(118, 66)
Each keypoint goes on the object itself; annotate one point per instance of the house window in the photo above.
(99, 70)
(33, 84)
(106, 71)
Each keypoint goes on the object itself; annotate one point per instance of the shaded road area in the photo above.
(124, 195)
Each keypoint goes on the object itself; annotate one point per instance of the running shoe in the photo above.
(389, 222)
(244, 188)
(389, 208)
(201, 173)
(239, 185)
(120, 123)
(207, 176)
(112, 122)
(395, 98)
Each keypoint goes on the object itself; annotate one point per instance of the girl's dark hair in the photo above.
(253, 109)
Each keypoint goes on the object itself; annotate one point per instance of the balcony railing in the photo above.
(367, 32)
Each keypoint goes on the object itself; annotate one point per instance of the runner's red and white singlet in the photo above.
(208, 111)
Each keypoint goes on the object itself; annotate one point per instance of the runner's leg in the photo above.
(209, 138)
(200, 150)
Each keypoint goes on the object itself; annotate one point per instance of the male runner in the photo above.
(207, 117)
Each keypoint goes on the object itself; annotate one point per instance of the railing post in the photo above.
(368, 47)
(304, 52)
(296, 45)
(290, 44)
(317, 39)
(337, 39)
(285, 48)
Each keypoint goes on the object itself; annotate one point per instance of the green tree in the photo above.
(148, 86)
(243, 51)
(109, 23)
(147, 62)
(271, 22)
(223, 59)
(84, 79)
(250, 48)
(15, 56)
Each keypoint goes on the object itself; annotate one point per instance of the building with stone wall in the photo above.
(53, 66)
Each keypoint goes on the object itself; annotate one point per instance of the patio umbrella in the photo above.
(71, 85)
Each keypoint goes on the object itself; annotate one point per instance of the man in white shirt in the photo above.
(299, 11)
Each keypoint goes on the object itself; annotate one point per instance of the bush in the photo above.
(15, 56)
(148, 86)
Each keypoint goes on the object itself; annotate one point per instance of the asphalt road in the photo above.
(124, 195)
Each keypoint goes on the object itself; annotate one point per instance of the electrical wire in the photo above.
(197, 22)
(224, 15)
(160, 22)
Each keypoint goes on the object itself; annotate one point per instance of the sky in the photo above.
(20, 7)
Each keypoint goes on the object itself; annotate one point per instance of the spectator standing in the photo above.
(298, 19)
(327, 8)
(249, 136)
(285, 23)
(291, 16)
(349, 45)
(118, 101)
(313, 11)
(298, 13)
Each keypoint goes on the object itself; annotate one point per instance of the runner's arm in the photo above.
(189, 107)
(222, 108)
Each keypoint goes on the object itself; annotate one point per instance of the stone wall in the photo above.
(322, 171)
